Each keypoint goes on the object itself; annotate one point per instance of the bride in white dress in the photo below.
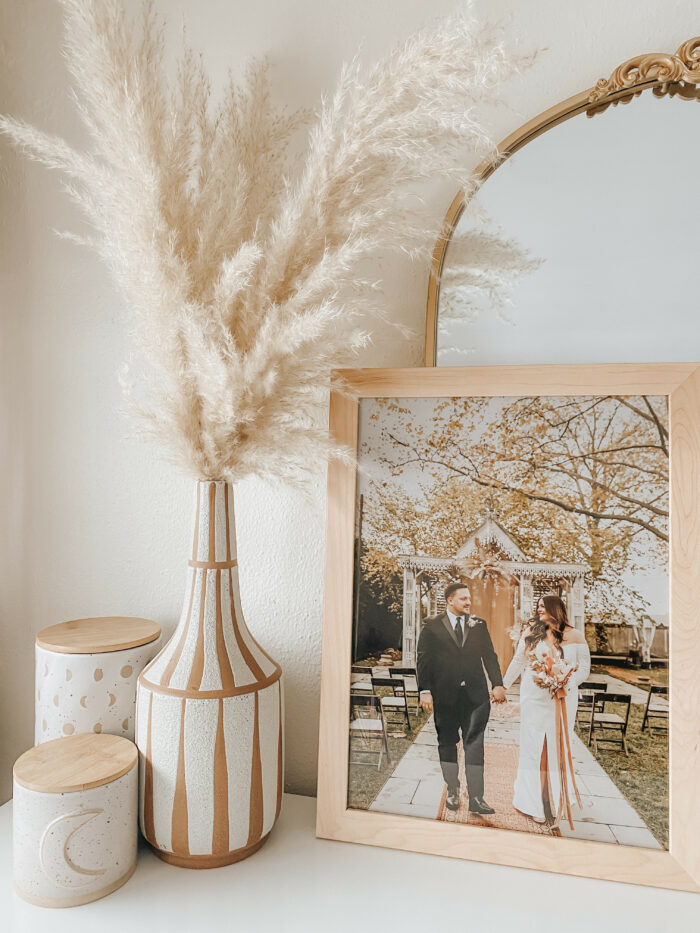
(538, 782)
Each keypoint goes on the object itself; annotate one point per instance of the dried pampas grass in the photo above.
(481, 269)
(242, 276)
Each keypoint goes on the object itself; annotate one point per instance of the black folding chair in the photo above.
(607, 725)
(410, 685)
(361, 679)
(367, 731)
(394, 705)
(586, 692)
(656, 710)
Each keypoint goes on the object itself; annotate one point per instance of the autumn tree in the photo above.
(582, 479)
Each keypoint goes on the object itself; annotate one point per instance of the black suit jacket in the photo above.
(443, 665)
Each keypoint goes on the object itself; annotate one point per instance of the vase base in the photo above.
(209, 861)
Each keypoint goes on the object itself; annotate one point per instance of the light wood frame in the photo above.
(664, 74)
(678, 868)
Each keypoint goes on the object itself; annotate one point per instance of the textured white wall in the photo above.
(94, 523)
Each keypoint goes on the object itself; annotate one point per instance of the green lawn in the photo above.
(643, 776)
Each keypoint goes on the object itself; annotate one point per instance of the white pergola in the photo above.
(511, 561)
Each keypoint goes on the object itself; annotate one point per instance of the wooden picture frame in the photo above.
(679, 867)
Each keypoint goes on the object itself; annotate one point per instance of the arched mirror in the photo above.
(581, 244)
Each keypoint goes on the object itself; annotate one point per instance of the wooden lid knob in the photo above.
(75, 763)
(95, 636)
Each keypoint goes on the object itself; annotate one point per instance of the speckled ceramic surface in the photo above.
(70, 849)
(88, 692)
(209, 713)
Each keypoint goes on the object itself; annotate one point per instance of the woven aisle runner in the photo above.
(501, 764)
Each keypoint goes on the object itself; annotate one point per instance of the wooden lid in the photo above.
(93, 636)
(76, 762)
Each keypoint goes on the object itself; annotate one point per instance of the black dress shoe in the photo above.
(478, 805)
(452, 802)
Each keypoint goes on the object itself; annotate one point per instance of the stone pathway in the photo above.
(416, 787)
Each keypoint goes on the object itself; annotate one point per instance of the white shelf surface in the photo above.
(299, 883)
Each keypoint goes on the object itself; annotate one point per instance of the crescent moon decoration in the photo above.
(112, 699)
(83, 702)
(55, 860)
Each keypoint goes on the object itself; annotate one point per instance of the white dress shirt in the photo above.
(454, 619)
(453, 622)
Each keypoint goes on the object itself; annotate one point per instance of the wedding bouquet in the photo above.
(551, 673)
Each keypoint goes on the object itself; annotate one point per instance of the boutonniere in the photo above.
(472, 621)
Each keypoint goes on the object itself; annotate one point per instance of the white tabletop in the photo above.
(299, 883)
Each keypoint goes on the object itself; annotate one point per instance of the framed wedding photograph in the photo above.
(511, 649)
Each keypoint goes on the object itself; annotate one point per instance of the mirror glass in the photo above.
(582, 247)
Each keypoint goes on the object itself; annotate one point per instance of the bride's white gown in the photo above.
(537, 721)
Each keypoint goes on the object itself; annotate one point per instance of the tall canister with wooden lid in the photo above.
(86, 674)
(75, 827)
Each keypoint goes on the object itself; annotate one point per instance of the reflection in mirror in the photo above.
(582, 247)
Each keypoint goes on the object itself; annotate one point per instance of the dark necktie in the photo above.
(459, 630)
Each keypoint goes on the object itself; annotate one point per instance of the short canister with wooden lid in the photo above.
(75, 825)
(86, 675)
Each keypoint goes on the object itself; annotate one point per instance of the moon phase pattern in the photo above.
(88, 689)
(97, 727)
(68, 728)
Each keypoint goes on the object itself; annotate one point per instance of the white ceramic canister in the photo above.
(75, 819)
(86, 675)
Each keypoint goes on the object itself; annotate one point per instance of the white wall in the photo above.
(95, 523)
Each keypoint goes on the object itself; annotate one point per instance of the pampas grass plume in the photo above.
(240, 272)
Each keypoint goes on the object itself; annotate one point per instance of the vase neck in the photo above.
(211, 651)
(214, 540)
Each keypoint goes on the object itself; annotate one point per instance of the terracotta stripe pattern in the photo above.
(209, 713)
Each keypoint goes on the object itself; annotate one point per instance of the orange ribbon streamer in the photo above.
(564, 753)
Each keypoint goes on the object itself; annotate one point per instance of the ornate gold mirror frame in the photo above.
(672, 75)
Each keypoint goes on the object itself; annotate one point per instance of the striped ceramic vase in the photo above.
(209, 713)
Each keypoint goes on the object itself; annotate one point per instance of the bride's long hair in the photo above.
(538, 627)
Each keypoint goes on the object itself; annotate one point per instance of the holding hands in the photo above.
(498, 695)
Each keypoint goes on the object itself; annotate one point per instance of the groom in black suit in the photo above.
(453, 650)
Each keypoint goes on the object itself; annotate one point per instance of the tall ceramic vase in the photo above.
(209, 713)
